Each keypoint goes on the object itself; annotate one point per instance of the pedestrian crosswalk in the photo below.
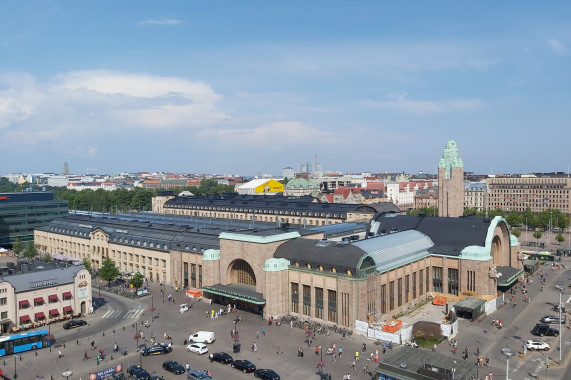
(124, 314)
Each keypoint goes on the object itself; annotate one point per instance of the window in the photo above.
(420, 283)
(306, 299)
(437, 279)
(4, 315)
(319, 303)
(383, 299)
(391, 295)
(4, 301)
(413, 285)
(193, 275)
(399, 292)
(199, 276)
(332, 306)
(453, 281)
(471, 285)
(294, 297)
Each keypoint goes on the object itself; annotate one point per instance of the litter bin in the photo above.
(236, 347)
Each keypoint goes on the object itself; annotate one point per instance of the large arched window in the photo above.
(243, 273)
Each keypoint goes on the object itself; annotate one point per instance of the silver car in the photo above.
(554, 319)
(536, 345)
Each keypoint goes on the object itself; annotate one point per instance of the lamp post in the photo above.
(15, 364)
(560, 331)
(508, 352)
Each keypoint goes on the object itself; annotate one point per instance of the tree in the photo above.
(18, 247)
(47, 258)
(514, 218)
(108, 271)
(516, 232)
(137, 280)
(560, 238)
(31, 251)
(537, 235)
(86, 263)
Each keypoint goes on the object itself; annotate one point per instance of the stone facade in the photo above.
(450, 182)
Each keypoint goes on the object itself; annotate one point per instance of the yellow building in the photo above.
(260, 186)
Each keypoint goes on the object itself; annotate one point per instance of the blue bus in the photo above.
(25, 341)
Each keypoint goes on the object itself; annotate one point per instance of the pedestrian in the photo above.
(487, 362)
(340, 351)
(263, 331)
(391, 346)
(252, 347)
(434, 347)
(93, 345)
(299, 352)
(187, 367)
(353, 365)
(255, 347)
(317, 350)
(356, 355)
(257, 334)
(366, 368)
(364, 349)
(85, 357)
(455, 348)
(477, 351)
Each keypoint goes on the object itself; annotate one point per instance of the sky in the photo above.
(249, 87)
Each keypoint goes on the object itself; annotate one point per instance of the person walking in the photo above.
(356, 355)
(257, 334)
(263, 331)
(340, 351)
(93, 345)
(85, 357)
(59, 354)
(317, 350)
(353, 365)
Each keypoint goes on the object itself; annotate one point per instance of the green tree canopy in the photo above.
(514, 218)
(30, 251)
(537, 234)
(516, 232)
(108, 271)
(560, 238)
(86, 263)
(18, 246)
(137, 280)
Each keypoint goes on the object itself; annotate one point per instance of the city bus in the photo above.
(25, 341)
(539, 256)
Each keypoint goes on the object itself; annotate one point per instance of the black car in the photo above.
(543, 329)
(174, 367)
(74, 324)
(244, 365)
(220, 357)
(137, 372)
(266, 374)
(157, 349)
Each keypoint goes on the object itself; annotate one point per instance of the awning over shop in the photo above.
(24, 303)
(25, 318)
(67, 310)
(66, 294)
(54, 312)
(40, 315)
(52, 297)
(508, 275)
(240, 292)
(39, 300)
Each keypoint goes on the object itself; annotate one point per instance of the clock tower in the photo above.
(450, 182)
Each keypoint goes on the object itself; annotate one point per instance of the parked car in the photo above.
(221, 357)
(173, 367)
(74, 324)
(202, 337)
(543, 329)
(157, 349)
(536, 345)
(266, 374)
(197, 348)
(198, 375)
(554, 319)
(244, 365)
(137, 372)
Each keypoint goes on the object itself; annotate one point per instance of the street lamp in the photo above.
(560, 331)
(15, 364)
(508, 352)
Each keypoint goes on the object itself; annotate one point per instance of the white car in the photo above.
(183, 308)
(536, 345)
(197, 348)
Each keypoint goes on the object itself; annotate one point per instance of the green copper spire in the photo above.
(450, 158)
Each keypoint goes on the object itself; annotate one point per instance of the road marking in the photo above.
(133, 313)
(568, 299)
(106, 315)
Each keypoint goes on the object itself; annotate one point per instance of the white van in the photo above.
(202, 337)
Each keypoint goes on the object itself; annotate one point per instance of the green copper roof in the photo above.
(302, 183)
(450, 158)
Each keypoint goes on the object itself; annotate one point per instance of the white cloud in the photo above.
(276, 133)
(168, 21)
(557, 46)
(400, 102)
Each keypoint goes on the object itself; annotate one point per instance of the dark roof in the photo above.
(385, 207)
(165, 193)
(450, 235)
(261, 202)
(339, 255)
(42, 275)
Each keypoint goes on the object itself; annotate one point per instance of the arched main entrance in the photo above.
(496, 251)
(241, 272)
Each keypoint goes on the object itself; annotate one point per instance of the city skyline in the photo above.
(252, 88)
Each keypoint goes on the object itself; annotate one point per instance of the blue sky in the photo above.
(247, 87)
